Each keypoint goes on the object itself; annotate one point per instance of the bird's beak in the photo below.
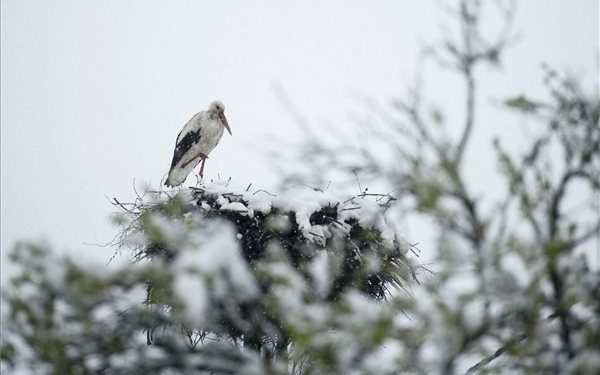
(224, 121)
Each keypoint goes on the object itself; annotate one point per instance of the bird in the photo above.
(195, 141)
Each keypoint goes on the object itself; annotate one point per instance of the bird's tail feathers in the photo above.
(168, 182)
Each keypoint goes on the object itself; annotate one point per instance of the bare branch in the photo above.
(487, 360)
(470, 113)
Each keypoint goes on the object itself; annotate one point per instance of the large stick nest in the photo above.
(368, 254)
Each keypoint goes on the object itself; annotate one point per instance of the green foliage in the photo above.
(522, 103)
(201, 293)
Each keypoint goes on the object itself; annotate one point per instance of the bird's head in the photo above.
(219, 109)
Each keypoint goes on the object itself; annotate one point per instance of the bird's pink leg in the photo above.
(199, 155)
(201, 173)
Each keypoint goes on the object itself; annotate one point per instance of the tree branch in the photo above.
(470, 113)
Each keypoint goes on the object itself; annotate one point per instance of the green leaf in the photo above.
(521, 103)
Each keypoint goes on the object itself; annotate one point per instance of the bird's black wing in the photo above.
(184, 145)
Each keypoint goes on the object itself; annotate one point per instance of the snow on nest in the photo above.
(215, 259)
(303, 201)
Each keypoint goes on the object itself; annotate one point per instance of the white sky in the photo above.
(95, 92)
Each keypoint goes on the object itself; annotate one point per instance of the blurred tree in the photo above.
(515, 289)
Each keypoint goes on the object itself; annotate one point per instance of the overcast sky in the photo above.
(95, 92)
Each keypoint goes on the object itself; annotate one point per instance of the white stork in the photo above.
(195, 141)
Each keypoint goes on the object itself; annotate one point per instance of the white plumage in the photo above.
(195, 141)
